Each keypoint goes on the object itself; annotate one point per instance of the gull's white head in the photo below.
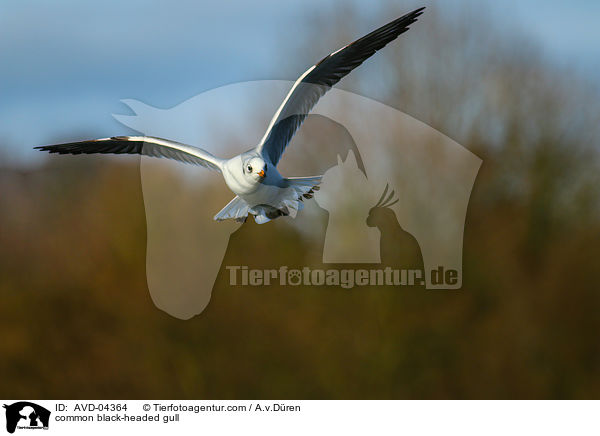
(255, 169)
(245, 172)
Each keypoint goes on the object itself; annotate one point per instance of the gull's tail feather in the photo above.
(289, 202)
(304, 186)
(237, 209)
(290, 199)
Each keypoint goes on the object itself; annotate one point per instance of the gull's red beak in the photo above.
(261, 173)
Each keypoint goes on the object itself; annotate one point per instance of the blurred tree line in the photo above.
(77, 320)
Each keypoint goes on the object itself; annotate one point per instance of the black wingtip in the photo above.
(414, 14)
(48, 148)
(417, 12)
(57, 148)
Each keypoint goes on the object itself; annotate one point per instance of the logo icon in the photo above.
(26, 415)
(373, 146)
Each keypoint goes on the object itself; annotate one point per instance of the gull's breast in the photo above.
(262, 194)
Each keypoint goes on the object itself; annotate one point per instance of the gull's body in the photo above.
(260, 189)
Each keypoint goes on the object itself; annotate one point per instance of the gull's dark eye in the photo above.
(249, 168)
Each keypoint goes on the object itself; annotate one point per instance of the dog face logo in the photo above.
(26, 415)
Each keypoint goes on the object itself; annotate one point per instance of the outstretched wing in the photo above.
(144, 145)
(319, 78)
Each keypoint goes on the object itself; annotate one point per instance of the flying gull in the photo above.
(260, 190)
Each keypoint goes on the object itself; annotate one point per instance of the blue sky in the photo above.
(66, 64)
